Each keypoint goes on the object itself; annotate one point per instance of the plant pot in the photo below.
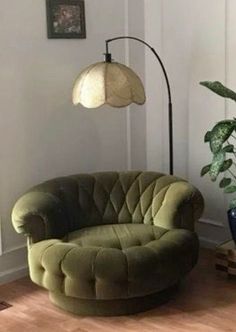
(232, 222)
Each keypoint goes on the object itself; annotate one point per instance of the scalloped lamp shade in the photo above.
(108, 83)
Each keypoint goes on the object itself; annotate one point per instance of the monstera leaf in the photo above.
(232, 204)
(205, 169)
(217, 164)
(229, 148)
(207, 137)
(218, 140)
(225, 182)
(220, 89)
(230, 190)
(220, 133)
(226, 165)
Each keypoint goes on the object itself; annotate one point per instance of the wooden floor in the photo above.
(206, 302)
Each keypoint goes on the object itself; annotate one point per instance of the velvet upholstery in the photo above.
(98, 240)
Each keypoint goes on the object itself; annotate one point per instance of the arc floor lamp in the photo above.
(117, 85)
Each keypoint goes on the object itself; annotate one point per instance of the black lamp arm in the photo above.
(108, 58)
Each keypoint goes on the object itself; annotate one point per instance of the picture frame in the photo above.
(66, 19)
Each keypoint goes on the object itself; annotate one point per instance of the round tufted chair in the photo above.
(110, 243)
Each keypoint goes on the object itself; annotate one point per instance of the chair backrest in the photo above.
(110, 197)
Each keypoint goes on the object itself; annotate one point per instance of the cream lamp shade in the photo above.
(117, 85)
(109, 83)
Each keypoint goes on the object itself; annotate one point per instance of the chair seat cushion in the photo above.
(113, 261)
(117, 236)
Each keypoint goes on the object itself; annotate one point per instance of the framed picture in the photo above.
(66, 18)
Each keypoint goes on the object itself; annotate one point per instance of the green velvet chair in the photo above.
(110, 243)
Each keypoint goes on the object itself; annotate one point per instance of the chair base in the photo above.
(111, 307)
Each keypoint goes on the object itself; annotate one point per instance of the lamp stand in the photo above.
(108, 58)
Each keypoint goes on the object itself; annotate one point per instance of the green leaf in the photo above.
(225, 182)
(232, 204)
(230, 189)
(226, 165)
(217, 164)
(207, 137)
(220, 89)
(229, 148)
(205, 169)
(220, 133)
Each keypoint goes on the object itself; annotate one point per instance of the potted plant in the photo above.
(223, 165)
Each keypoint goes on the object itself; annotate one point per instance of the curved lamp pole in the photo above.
(90, 96)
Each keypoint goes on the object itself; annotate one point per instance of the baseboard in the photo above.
(211, 222)
(15, 248)
(13, 274)
(208, 243)
(13, 264)
(1, 249)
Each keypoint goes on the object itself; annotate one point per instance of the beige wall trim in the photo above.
(212, 222)
(13, 274)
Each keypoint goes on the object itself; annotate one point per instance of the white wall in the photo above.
(156, 104)
(197, 42)
(41, 134)
(136, 19)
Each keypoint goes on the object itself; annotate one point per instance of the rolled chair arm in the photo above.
(40, 216)
(182, 205)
